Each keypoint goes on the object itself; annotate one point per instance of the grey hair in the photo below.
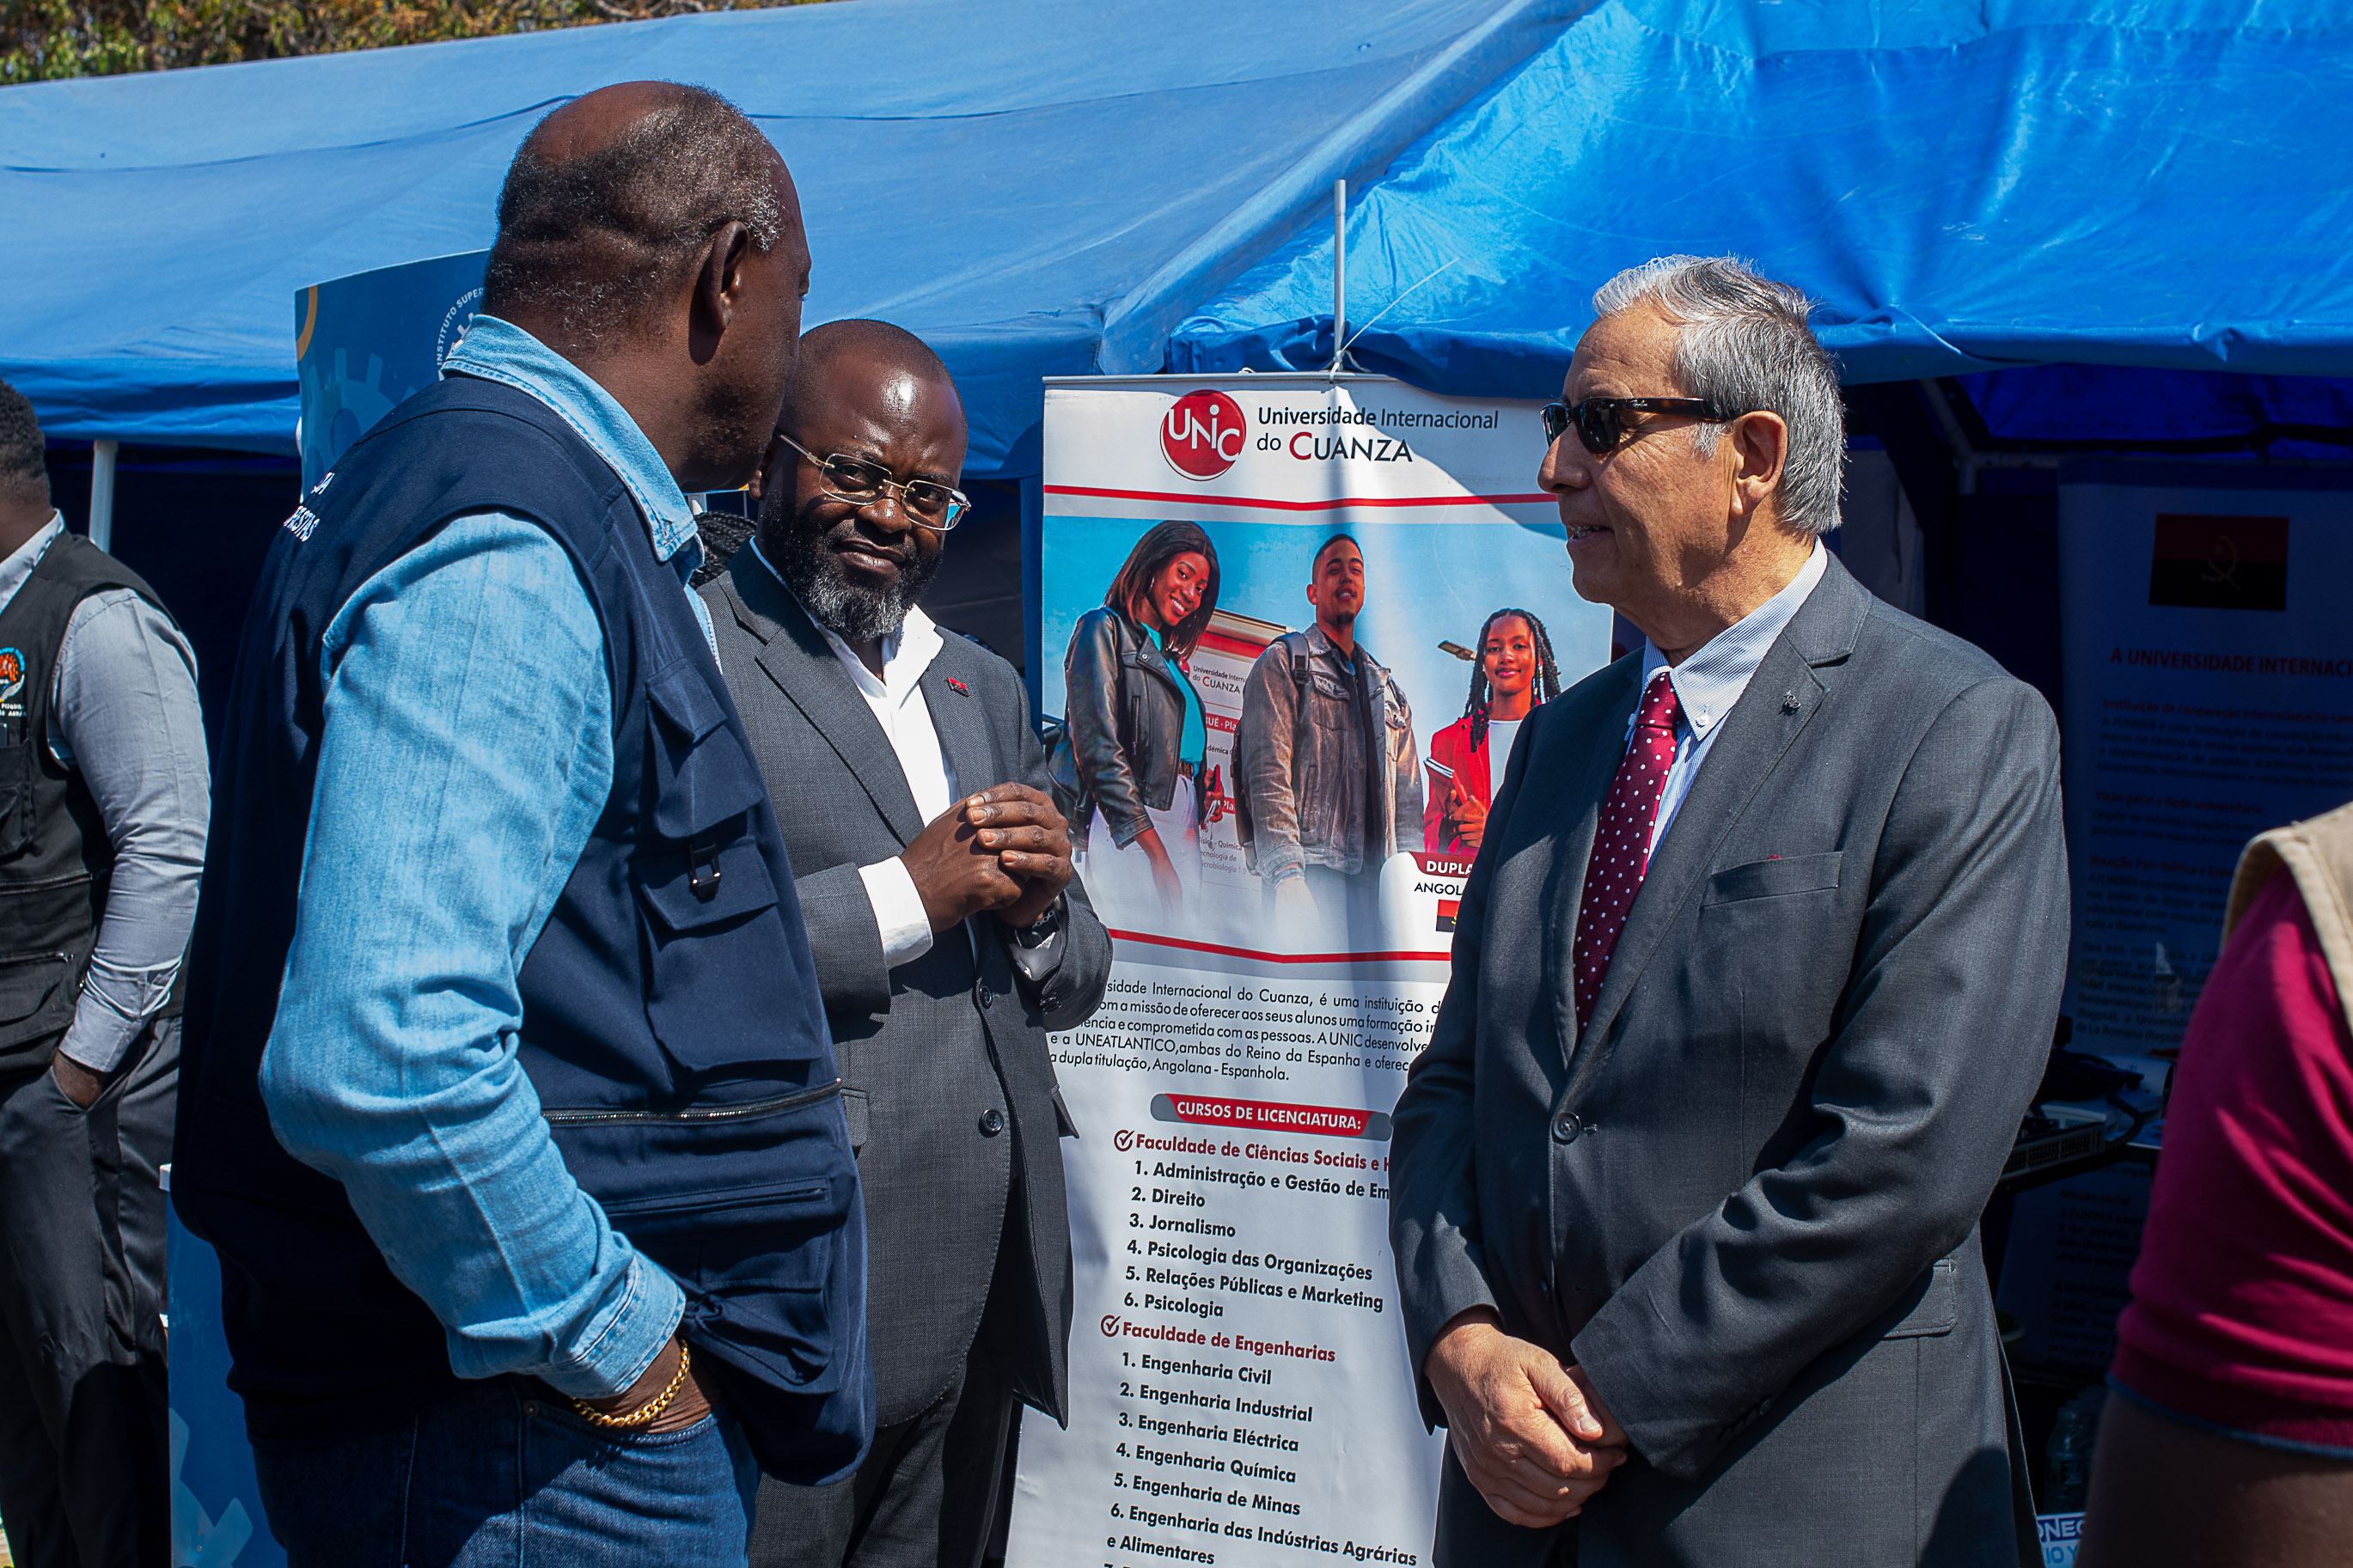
(1744, 345)
(601, 238)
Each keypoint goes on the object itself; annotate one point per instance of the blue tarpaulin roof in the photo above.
(1036, 186)
(1049, 186)
(1964, 186)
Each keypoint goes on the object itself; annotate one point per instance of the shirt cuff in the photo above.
(113, 1006)
(623, 1340)
(898, 911)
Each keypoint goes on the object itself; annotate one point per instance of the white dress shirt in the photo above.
(1711, 681)
(898, 705)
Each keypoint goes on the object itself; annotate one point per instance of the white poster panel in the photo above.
(1240, 1386)
(2209, 666)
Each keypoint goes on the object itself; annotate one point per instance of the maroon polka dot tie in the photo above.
(1622, 841)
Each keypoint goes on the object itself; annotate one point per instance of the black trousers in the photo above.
(929, 1492)
(84, 1436)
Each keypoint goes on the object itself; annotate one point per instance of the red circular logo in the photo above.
(1203, 434)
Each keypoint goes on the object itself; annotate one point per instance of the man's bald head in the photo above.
(862, 351)
(872, 393)
(612, 198)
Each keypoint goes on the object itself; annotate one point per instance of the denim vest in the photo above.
(671, 1023)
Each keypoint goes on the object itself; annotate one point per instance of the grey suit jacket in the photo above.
(1746, 1200)
(931, 1049)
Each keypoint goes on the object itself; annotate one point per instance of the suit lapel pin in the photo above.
(1788, 702)
(958, 687)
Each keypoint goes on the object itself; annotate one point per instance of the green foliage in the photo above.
(42, 40)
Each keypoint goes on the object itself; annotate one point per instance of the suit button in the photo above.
(980, 991)
(1565, 1128)
(992, 1122)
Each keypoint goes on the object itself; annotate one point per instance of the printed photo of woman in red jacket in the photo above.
(1466, 758)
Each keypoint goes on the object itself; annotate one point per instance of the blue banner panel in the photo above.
(217, 1518)
(365, 344)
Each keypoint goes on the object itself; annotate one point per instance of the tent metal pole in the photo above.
(1956, 438)
(1967, 460)
(101, 493)
(1339, 273)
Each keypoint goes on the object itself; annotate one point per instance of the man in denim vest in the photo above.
(537, 1214)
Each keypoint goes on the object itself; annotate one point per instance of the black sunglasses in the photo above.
(1601, 421)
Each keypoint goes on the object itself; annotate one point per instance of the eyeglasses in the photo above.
(853, 481)
(1601, 421)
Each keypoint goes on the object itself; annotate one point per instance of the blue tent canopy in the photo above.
(1036, 186)
(1965, 186)
(1050, 187)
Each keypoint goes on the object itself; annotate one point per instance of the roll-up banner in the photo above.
(2208, 658)
(1270, 618)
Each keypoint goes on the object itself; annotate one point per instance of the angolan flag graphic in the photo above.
(2219, 562)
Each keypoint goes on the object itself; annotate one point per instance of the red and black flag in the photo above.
(2219, 562)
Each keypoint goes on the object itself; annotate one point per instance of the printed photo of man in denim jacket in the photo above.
(1329, 781)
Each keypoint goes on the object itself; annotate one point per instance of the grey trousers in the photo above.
(84, 1436)
(927, 1494)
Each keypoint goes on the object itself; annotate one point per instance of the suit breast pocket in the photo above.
(1755, 922)
(1780, 877)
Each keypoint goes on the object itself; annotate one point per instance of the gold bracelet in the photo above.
(644, 1413)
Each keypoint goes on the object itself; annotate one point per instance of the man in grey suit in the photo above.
(1754, 978)
(935, 875)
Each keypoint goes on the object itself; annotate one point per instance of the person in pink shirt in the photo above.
(2230, 1437)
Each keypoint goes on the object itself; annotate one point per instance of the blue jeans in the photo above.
(502, 1474)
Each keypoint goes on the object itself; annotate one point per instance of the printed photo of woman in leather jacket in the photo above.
(1128, 770)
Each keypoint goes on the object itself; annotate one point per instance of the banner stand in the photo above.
(1240, 1386)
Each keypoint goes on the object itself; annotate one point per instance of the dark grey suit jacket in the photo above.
(931, 1049)
(1746, 1199)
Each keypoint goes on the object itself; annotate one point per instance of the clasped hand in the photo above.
(1006, 850)
(1530, 1433)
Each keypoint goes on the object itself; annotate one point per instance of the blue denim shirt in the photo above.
(467, 753)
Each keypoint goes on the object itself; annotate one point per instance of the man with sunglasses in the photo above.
(1686, 1187)
(934, 873)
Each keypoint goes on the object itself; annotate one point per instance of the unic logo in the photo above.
(1204, 433)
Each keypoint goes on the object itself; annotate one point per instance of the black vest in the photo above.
(671, 1023)
(55, 856)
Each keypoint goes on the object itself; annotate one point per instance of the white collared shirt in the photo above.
(898, 705)
(1711, 681)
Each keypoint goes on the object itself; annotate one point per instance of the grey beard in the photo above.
(848, 610)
